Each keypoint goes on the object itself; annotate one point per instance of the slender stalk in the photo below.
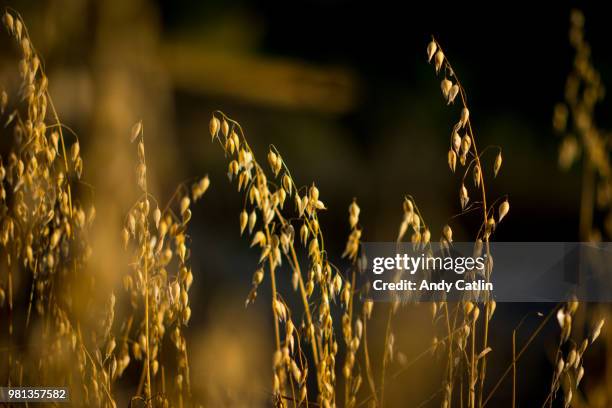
(473, 367)
(148, 389)
(369, 373)
(450, 354)
(463, 97)
(518, 356)
(513, 368)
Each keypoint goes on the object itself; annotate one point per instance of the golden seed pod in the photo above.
(415, 239)
(492, 305)
(503, 209)
(230, 145)
(416, 222)
(313, 248)
(465, 116)
(452, 160)
(18, 29)
(571, 357)
(3, 101)
(560, 367)
(185, 202)
(213, 126)
(9, 22)
(141, 152)
(579, 376)
(55, 238)
(282, 196)
(35, 64)
(354, 211)
(225, 127)
(337, 283)
(259, 239)
(244, 219)
(490, 225)
(258, 276)
(125, 237)
(447, 233)
(498, 163)
(426, 237)
(561, 317)
(568, 152)
(439, 59)
(272, 158)
(252, 221)
(287, 186)
(476, 173)
(188, 280)
(141, 173)
(233, 168)
(175, 291)
(313, 193)
(110, 346)
(452, 93)
(432, 47)
(463, 196)
(476, 313)
(446, 86)
(156, 216)
(597, 330)
(560, 117)
(55, 140)
(235, 139)
(279, 165)
(136, 131)
(304, 233)
(456, 141)
(408, 206)
(466, 143)
(484, 353)
(74, 151)
(467, 308)
(198, 189)
(186, 314)
(204, 184)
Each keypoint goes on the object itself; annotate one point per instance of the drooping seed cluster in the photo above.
(574, 121)
(318, 283)
(353, 325)
(462, 144)
(461, 333)
(158, 285)
(569, 362)
(43, 233)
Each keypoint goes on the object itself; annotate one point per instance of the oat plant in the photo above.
(574, 121)
(44, 238)
(158, 288)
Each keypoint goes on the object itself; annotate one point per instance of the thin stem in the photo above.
(148, 389)
(468, 123)
(369, 374)
(513, 368)
(518, 356)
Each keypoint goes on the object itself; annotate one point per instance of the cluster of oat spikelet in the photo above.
(43, 233)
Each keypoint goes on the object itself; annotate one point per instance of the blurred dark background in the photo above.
(344, 91)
